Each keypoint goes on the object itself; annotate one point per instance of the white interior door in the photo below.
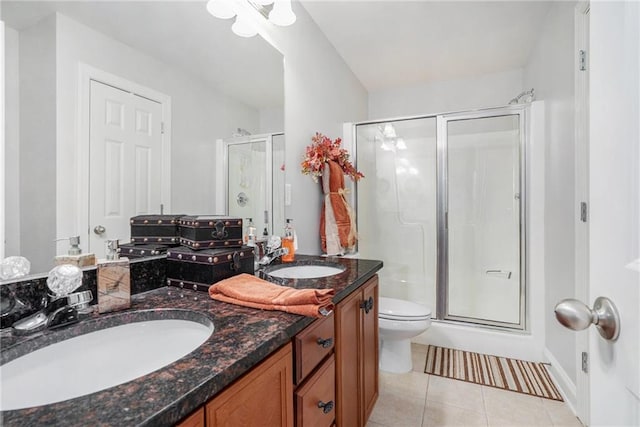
(614, 193)
(125, 162)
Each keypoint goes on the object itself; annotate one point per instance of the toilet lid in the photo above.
(396, 309)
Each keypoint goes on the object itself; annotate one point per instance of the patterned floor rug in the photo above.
(500, 372)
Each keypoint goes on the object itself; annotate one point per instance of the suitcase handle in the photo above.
(235, 264)
(220, 232)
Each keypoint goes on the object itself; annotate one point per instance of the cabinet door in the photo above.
(315, 400)
(194, 420)
(348, 319)
(263, 397)
(370, 348)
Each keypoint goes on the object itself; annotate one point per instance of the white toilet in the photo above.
(398, 322)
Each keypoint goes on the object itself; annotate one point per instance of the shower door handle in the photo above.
(576, 315)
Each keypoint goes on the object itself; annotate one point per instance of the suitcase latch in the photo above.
(220, 232)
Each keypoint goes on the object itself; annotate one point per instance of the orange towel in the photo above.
(250, 291)
(340, 207)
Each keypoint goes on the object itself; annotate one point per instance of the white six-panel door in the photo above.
(125, 162)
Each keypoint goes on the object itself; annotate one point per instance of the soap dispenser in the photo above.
(114, 280)
(74, 254)
(288, 242)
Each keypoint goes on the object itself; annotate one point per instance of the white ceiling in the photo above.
(176, 32)
(390, 44)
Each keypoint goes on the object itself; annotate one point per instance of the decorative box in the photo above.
(133, 251)
(152, 229)
(197, 270)
(210, 232)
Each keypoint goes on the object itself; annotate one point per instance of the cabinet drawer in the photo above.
(311, 346)
(315, 400)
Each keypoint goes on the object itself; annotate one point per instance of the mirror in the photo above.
(255, 180)
(210, 83)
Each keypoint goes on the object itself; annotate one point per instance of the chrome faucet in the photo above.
(60, 311)
(63, 307)
(272, 255)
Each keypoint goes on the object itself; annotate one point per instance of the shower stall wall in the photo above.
(443, 207)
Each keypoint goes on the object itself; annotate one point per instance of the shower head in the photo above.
(528, 95)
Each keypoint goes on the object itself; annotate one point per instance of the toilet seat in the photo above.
(400, 310)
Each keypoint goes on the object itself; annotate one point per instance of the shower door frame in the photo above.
(442, 284)
(442, 197)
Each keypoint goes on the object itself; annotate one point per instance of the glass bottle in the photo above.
(287, 242)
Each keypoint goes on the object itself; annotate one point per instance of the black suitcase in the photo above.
(210, 232)
(197, 270)
(152, 229)
(133, 251)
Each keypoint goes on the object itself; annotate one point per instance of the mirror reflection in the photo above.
(255, 180)
(113, 110)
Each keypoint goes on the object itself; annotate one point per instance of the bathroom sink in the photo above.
(304, 271)
(103, 358)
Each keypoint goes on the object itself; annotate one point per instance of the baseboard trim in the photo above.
(566, 387)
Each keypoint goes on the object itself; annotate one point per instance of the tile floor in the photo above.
(420, 400)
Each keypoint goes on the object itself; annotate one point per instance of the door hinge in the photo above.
(162, 128)
(583, 211)
(585, 362)
(582, 56)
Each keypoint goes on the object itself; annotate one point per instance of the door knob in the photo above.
(576, 315)
(99, 230)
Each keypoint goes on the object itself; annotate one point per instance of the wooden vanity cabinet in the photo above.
(356, 353)
(260, 398)
(326, 376)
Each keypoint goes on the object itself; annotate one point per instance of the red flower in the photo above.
(323, 149)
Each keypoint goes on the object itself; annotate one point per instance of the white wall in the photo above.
(482, 91)
(272, 120)
(321, 93)
(551, 72)
(37, 165)
(199, 116)
(11, 141)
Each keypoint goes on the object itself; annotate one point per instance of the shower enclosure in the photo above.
(254, 179)
(442, 205)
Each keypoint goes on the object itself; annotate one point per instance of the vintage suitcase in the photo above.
(210, 232)
(197, 270)
(133, 251)
(151, 229)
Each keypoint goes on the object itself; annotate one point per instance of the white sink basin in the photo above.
(305, 271)
(96, 361)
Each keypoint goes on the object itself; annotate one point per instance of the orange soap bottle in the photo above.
(288, 242)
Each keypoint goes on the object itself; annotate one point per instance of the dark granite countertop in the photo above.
(242, 338)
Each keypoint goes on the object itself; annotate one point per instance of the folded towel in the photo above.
(250, 291)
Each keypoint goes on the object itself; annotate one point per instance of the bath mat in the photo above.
(493, 371)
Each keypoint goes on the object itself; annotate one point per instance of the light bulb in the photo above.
(400, 144)
(243, 28)
(281, 14)
(389, 131)
(221, 9)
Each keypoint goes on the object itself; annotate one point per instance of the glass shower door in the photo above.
(481, 218)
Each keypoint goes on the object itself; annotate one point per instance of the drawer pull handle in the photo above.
(326, 407)
(367, 305)
(326, 343)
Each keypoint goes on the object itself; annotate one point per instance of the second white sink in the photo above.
(305, 271)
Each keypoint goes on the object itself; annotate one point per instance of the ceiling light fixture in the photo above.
(222, 9)
(281, 14)
(243, 28)
(277, 12)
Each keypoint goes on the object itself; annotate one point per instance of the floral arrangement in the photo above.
(323, 149)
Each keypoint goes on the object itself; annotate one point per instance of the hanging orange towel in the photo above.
(250, 291)
(343, 221)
